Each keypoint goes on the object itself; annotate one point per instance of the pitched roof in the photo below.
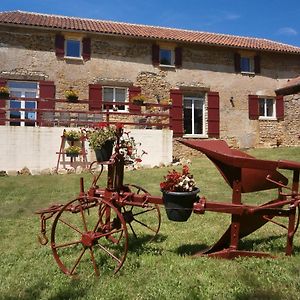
(142, 31)
(291, 87)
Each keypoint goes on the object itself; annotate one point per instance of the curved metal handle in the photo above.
(42, 238)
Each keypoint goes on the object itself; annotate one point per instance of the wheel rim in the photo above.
(142, 220)
(89, 234)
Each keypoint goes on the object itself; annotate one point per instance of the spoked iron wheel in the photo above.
(89, 234)
(142, 220)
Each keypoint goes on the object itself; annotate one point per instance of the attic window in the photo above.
(247, 64)
(166, 57)
(73, 48)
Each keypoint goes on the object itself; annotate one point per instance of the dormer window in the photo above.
(73, 48)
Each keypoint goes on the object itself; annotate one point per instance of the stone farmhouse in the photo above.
(221, 86)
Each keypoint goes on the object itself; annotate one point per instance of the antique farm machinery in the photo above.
(91, 231)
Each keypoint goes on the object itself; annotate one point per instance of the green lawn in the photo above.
(162, 269)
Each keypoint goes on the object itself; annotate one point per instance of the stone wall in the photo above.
(30, 55)
(286, 132)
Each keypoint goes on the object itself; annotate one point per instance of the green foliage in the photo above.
(162, 269)
(98, 136)
(73, 135)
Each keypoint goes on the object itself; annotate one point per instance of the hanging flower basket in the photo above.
(4, 92)
(179, 205)
(71, 95)
(104, 153)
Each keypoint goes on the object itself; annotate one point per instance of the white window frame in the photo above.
(172, 63)
(115, 108)
(251, 64)
(23, 91)
(80, 47)
(265, 117)
(203, 100)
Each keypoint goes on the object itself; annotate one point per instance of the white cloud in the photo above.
(231, 16)
(287, 31)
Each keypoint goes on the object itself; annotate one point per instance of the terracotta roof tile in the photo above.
(142, 31)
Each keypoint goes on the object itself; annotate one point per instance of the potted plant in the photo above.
(73, 151)
(101, 139)
(179, 194)
(4, 92)
(72, 135)
(139, 99)
(71, 95)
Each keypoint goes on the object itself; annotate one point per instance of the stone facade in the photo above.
(29, 54)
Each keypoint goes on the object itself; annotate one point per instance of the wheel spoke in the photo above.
(109, 253)
(94, 262)
(145, 225)
(70, 225)
(144, 211)
(66, 244)
(132, 230)
(83, 218)
(77, 261)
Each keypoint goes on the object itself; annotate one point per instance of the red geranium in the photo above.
(178, 182)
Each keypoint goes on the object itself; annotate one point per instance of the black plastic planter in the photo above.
(179, 205)
(104, 153)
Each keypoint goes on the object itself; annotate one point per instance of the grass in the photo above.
(162, 269)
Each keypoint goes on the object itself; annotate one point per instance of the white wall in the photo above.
(36, 147)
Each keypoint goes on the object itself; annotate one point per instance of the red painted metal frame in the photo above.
(241, 171)
(246, 174)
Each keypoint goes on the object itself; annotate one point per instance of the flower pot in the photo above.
(72, 99)
(179, 205)
(72, 139)
(72, 154)
(104, 153)
(4, 95)
(138, 102)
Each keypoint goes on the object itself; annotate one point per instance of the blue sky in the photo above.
(271, 19)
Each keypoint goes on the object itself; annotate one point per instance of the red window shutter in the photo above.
(256, 64)
(176, 113)
(213, 111)
(60, 45)
(155, 54)
(253, 107)
(3, 82)
(86, 48)
(134, 91)
(47, 96)
(237, 62)
(178, 57)
(279, 107)
(95, 97)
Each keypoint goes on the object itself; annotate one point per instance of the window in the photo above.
(20, 109)
(194, 114)
(267, 108)
(73, 48)
(166, 57)
(115, 94)
(247, 64)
